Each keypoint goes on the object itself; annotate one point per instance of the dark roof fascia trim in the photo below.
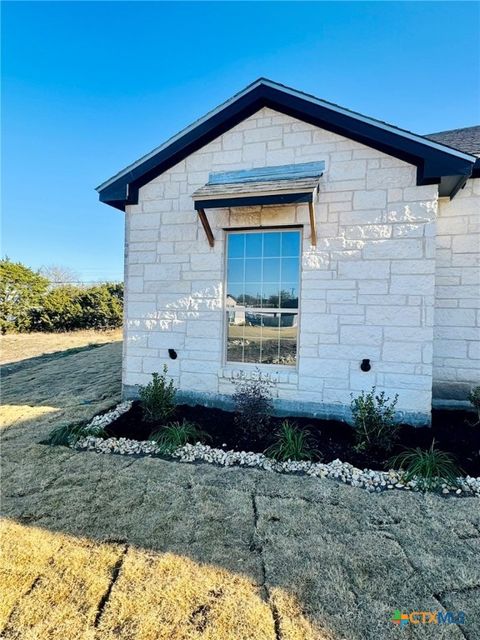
(251, 201)
(476, 169)
(117, 204)
(431, 162)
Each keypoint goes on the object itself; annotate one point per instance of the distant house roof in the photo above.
(435, 162)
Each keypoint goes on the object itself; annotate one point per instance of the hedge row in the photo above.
(29, 302)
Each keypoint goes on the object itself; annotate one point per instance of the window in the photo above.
(262, 296)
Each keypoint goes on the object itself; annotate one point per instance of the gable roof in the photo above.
(435, 162)
(466, 139)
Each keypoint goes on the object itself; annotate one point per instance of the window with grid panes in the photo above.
(262, 291)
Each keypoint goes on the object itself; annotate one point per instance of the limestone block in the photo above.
(267, 133)
(211, 261)
(366, 335)
(232, 140)
(455, 317)
(413, 266)
(394, 248)
(348, 170)
(420, 284)
(178, 232)
(411, 211)
(280, 156)
(466, 244)
(368, 231)
(145, 221)
(391, 315)
(204, 328)
(450, 348)
(297, 138)
(141, 257)
(391, 177)
(199, 382)
(361, 270)
(167, 272)
(402, 352)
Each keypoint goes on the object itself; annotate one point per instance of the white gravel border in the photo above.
(373, 481)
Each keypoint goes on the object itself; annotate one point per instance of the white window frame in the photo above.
(235, 364)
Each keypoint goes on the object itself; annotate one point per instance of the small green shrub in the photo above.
(474, 398)
(157, 398)
(374, 420)
(431, 467)
(292, 443)
(177, 434)
(253, 406)
(68, 434)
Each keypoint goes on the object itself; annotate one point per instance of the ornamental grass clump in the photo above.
(253, 407)
(68, 434)
(157, 398)
(292, 443)
(374, 421)
(177, 434)
(429, 467)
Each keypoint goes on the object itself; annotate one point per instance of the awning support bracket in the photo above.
(313, 225)
(206, 226)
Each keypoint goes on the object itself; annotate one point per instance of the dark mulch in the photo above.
(333, 439)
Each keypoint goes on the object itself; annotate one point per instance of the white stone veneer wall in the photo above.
(367, 289)
(456, 347)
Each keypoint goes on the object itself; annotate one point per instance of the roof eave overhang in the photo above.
(434, 162)
(476, 169)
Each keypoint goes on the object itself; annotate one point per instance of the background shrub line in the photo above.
(30, 302)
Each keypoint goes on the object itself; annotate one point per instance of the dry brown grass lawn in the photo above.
(103, 547)
(15, 347)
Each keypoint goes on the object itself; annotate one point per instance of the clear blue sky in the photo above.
(89, 87)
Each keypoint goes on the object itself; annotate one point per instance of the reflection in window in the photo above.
(262, 296)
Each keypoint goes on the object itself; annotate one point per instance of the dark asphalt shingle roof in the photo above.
(466, 140)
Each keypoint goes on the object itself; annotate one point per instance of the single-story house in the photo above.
(290, 235)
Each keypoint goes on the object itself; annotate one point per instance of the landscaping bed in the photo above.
(104, 435)
(376, 453)
(332, 439)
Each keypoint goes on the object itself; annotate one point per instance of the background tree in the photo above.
(21, 289)
(68, 308)
(58, 274)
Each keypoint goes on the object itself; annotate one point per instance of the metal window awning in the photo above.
(286, 184)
